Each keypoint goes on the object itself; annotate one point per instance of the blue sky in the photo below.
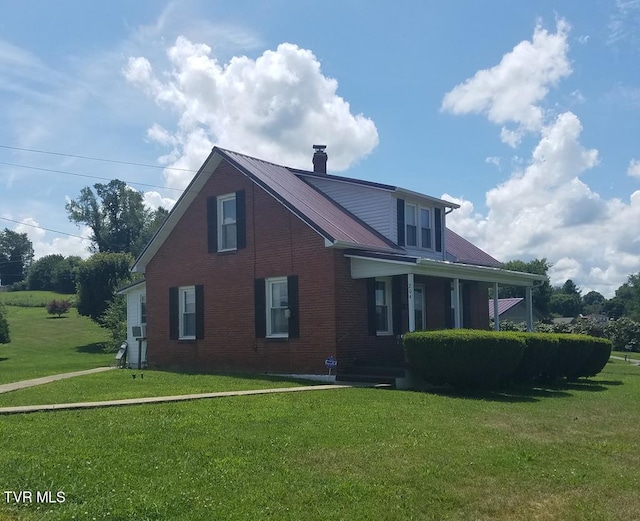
(525, 113)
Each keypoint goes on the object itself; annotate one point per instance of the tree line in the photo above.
(567, 300)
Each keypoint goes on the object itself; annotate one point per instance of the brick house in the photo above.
(264, 268)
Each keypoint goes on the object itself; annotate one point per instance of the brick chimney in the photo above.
(320, 159)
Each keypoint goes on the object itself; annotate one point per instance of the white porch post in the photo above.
(496, 309)
(457, 322)
(412, 303)
(529, 308)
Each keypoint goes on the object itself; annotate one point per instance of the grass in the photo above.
(42, 345)
(569, 452)
(632, 355)
(120, 384)
(32, 298)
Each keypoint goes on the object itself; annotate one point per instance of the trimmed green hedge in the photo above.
(464, 357)
(539, 356)
(475, 358)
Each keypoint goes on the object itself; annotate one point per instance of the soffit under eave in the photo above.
(366, 268)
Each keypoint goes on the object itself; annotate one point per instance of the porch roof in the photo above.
(366, 265)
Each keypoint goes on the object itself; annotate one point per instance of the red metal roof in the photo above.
(465, 252)
(310, 204)
(504, 304)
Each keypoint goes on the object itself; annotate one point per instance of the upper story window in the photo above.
(411, 224)
(418, 228)
(227, 231)
(425, 228)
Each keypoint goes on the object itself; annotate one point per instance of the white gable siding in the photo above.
(374, 206)
(133, 319)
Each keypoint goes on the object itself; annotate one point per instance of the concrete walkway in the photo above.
(5, 388)
(162, 399)
(622, 359)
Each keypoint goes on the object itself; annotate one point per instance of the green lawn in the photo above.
(569, 452)
(120, 384)
(32, 298)
(42, 345)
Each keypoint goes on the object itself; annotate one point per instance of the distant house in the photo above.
(264, 268)
(513, 309)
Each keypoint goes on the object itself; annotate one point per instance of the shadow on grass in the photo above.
(533, 393)
(93, 349)
(3, 359)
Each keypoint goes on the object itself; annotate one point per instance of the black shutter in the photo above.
(400, 206)
(292, 297)
(212, 225)
(241, 220)
(260, 308)
(396, 304)
(438, 219)
(371, 307)
(199, 311)
(173, 313)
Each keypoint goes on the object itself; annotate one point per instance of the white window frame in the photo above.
(221, 199)
(416, 209)
(388, 301)
(432, 238)
(269, 283)
(143, 303)
(182, 292)
(410, 208)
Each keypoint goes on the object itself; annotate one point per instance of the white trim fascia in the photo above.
(176, 213)
(343, 245)
(366, 267)
(142, 284)
(435, 200)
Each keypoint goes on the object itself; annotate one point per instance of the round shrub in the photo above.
(464, 357)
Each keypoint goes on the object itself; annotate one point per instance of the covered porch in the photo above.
(430, 294)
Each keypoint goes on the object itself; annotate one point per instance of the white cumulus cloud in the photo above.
(634, 169)
(510, 92)
(274, 107)
(545, 208)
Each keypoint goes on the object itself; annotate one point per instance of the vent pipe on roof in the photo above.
(320, 159)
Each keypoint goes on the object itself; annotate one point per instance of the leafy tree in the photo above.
(64, 276)
(41, 272)
(570, 288)
(54, 273)
(97, 279)
(629, 295)
(613, 308)
(4, 326)
(116, 214)
(115, 320)
(593, 302)
(58, 307)
(623, 333)
(16, 255)
(541, 294)
(565, 305)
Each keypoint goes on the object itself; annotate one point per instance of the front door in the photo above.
(419, 307)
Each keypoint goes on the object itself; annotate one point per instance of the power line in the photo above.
(87, 175)
(46, 229)
(96, 159)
